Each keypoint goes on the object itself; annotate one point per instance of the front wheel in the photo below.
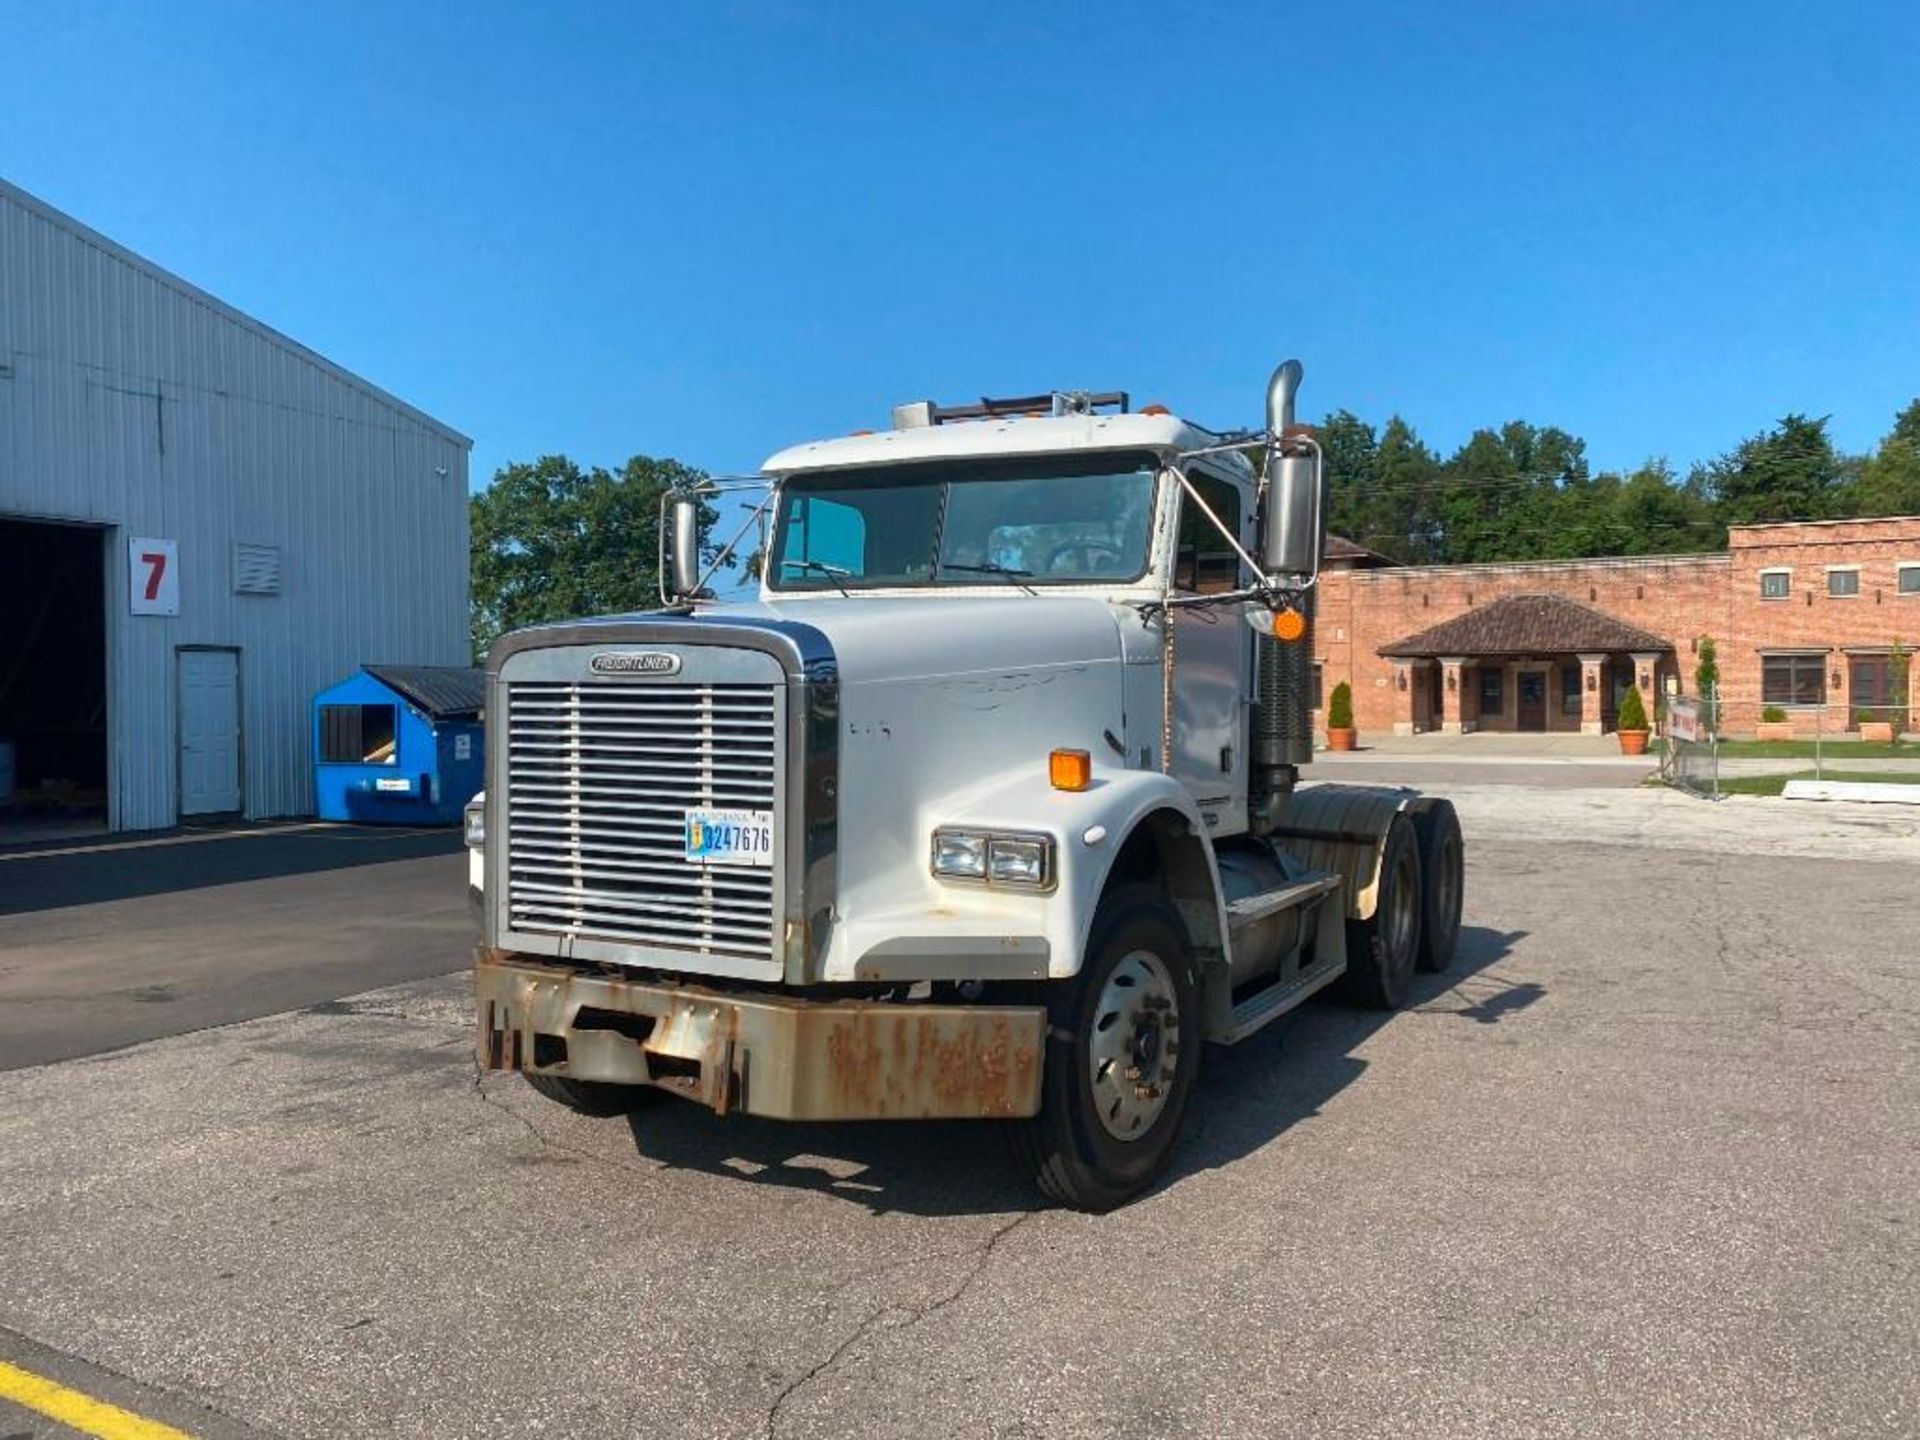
(597, 1098)
(1123, 1049)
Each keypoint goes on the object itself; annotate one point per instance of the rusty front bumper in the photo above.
(771, 1055)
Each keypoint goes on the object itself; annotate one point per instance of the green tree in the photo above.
(1900, 687)
(1889, 482)
(1505, 493)
(554, 541)
(1654, 513)
(1352, 452)
(1706, 682)
(1403, 525)
(1791, 472)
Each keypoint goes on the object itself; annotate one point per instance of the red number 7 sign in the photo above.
(153, 577)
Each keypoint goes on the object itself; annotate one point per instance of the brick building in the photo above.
(1804, 615)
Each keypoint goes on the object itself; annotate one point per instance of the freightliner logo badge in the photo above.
(641, 662)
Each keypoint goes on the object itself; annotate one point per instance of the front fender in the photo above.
(939, 929)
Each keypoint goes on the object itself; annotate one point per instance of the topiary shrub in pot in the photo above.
(1340, 732)
(1774, 724)
(1631, 723)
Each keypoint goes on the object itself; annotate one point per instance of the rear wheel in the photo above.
(591, 1097)
(1382, 949)
(1442, 884)
(1123, 1049)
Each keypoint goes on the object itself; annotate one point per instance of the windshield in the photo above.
(1052, 520)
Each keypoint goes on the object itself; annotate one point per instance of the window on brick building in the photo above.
(1776, 584)
(1841, 584)
(1793, 679)
(1570, 689)
(1910, 579)
(1492, 696)
(1317, 697)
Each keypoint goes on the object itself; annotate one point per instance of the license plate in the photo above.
(730, 837)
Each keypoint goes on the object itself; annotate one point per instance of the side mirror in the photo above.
(685, 556)
(1290, 539)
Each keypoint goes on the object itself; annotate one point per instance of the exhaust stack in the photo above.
(1281, 389)
(1290, 545)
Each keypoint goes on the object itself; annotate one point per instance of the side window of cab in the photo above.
(1205, 564)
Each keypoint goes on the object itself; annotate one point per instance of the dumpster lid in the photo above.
(443, 692)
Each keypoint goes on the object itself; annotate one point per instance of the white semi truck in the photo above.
(988, 806)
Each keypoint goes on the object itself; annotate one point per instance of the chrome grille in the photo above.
(599, 778)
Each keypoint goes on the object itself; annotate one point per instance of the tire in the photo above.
(592, 1097)
(1100, 1139)
(1381, 950)
(1442, 883)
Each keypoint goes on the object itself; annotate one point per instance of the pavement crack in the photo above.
(540, 1137)
(982, 1257)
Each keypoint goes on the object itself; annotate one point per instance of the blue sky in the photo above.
(706, 230)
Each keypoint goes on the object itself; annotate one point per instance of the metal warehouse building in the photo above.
(202, 524)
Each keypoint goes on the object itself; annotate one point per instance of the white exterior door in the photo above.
(209, 732)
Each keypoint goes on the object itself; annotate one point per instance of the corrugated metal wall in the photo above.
(131, 400)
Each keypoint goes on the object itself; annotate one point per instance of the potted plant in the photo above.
(1631, 723)
(1874, 732)
(1340, 732)
(1774, 725)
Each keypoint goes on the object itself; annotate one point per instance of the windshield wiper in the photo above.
(834, 573)
(989, 568)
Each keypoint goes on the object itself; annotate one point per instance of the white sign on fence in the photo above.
(1683, 720)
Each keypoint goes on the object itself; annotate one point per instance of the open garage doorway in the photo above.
(53, 680)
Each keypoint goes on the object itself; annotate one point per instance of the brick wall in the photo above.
(1679, 597)
(1809, 618)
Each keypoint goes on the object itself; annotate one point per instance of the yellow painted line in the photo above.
(77, 1411)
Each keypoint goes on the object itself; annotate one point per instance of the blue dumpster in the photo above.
(399, 745)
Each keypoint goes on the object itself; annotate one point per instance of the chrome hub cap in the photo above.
(1135, 1046)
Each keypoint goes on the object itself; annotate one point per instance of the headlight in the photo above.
(959, 856)
(476, 823)
(1013, 861)
(1021, 861)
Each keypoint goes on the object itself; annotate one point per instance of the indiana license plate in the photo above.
(730, 837)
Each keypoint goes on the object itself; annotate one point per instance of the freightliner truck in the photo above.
(988, 806)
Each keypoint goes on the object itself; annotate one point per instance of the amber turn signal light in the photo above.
(1288, 624)
(1070, 769)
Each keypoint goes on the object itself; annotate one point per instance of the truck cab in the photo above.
(988, 805)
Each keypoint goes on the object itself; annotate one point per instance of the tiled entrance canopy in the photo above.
(1527, 625)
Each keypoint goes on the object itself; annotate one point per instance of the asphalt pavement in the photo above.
(110, 942)
(1642, 1166)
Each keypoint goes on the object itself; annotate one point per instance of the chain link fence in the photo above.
(1835, 727)
(1826, 737)
(1690, 760)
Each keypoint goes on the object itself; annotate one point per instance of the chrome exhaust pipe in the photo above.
(1281, 389)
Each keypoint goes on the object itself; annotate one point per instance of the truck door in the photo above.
(1212, 659)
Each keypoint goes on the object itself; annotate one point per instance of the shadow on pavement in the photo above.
(57, 876)
(1247, 1095)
